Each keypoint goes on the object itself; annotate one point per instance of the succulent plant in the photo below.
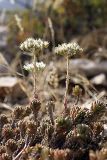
(34, 46)
(68, 50)
(77, 134)
(62, 137)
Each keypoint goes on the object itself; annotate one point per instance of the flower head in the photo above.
(68, 48)
(74, 48)
(29, 67)
(39, 66)
(32, 44)
(61, 49)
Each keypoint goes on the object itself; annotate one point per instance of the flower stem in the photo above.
(34, 61)
(67, 82)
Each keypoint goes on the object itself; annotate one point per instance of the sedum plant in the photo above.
(67, 50)
(77, 135)
(73, 136)
(34, 46)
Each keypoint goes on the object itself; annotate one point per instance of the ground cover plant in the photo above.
(77, 133)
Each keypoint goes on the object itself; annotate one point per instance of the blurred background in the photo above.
(58, 21)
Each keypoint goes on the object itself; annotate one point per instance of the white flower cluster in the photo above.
(29, 67)
(31, 44)
(68, 48)
(39, 66)
(61, 49)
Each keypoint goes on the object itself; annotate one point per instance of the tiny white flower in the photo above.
(46, 44)
(74, 48)
(61, 49)
(28, 67)
(40, 65)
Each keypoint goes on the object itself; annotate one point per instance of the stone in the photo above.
(13, 89)
(89, 67)
(99, 79)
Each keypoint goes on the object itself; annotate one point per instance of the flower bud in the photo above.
(11, 145)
